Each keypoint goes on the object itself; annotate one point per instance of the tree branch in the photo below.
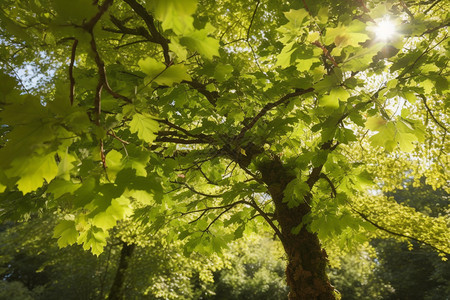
(165, 139)
(327, 179)
(205, 137)
(197, 192)
(431, 114)
(326, 52)
(217, 218)
(268, 220)
(268, 107)
(149, 21)
(89, 26)
(363, 216)
(252, 19)
(72, 80)
(201, 88)
(140, 31)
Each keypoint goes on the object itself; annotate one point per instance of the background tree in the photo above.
(213, 117)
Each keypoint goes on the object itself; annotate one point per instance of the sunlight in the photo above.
(385, 29)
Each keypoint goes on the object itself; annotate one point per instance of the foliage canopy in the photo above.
(209, 118)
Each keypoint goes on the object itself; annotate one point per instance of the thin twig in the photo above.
(130, 43)
(405, 7)
(253, 18)
(327, 179)
(364, 217)
(431, 114)
(180, 141)
(268, 220)
(268, 107)
(197, 192)
(174, 126)
(113, 134)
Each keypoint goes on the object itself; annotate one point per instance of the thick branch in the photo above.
(149, 21)
(89, 26)
(201, 88)
(141, 31)
(103, 81)
(72, 80)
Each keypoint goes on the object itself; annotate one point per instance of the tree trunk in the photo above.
(117, 289)
(307, 261)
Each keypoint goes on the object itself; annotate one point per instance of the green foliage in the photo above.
(208, 119)
(251, 273)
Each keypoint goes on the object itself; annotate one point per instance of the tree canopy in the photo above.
(204, 119)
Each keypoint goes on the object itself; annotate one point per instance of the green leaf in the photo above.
(329, 101)
(151, 67)
(145, 127)
(385, 137)
(66, 233)
(175, 14)
(223, 71)
(65, 165)
(343, 36)
(94, 239)
(32, 171)
(295, 192)
(340, 93)
(296, 17)
(410, 96)
(375, 123)
(104, 220)
(59, 187)
(74, 11)
(173, 74)
(141, 196)
(113, 162)
(156, 71)
(284, 58)
(199, 41)
(120, 208)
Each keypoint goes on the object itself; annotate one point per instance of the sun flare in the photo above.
(385, 29)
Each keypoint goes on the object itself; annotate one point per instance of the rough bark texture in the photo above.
(305, 272)
(117, 288)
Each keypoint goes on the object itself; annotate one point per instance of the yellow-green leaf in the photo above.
(32, 171)
(199, 41)
(66, 233)
(145, 127)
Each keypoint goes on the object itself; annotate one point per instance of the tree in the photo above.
(413, 270)
(32, 266)
(391, 269)
(209, 118)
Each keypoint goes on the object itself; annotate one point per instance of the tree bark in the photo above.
(306, 269)
(117, 289)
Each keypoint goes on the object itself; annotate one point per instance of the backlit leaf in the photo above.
(145, 127)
